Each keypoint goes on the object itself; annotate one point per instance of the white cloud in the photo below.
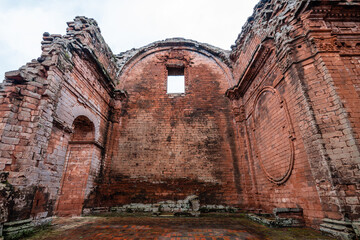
(124, 23)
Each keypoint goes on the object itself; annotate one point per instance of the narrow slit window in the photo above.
(175, 80)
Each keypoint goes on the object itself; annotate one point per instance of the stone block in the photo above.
(14, 75)
(10, 140)
(356, 227)
(352, 200)
(17, 228)
(340, 229)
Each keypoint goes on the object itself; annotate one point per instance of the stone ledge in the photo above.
(339, 229)
(16, 229)
(290, 217)
(356, 227)
(13, 230)
(173, 208)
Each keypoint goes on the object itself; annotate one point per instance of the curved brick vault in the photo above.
(272, 124)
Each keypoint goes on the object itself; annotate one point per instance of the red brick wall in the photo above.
(335, 106)
(166, 147)
(331, 81)
(288, 136)
(75, 178)
(272, 143)
(314, 66)
(40, 102)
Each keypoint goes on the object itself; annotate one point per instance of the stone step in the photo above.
(17, 228)
(8, 224)
(337, 228)
(333, 226)
(337, 222)
(338, 234)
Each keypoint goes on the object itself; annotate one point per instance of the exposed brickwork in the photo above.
(75, 178)
(40, 102)
(314, 70)
(83, 155)
(275, 123)
(186, 141)
(267, 126)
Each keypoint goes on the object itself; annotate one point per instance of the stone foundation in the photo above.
(189, 206)
(281, 217)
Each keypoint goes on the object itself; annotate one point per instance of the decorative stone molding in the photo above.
(260, 56)
(96, 143)
(125, 58)
(62, 125)
(171, 58)
(290, 164)
(239, 113)
(120, 95)
(173, 48)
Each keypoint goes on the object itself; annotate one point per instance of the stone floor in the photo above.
(213, 226)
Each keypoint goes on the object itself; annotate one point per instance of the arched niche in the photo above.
(82, 154)
(84, 129)
(81, 111)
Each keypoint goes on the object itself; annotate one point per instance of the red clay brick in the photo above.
(275, 123)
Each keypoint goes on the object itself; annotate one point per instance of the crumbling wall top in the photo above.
(82, 36)
(125, 57)
(270, 17)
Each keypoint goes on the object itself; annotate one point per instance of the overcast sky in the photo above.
(125, 24)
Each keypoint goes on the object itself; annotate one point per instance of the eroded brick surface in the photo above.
(272, 124)
(168, 145)
(40, 102)
(310, 60)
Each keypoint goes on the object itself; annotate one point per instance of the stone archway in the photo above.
(82, 151)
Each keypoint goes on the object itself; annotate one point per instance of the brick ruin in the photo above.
(273, 123)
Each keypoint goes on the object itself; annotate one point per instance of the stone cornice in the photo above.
(126, 57)
(257, 61)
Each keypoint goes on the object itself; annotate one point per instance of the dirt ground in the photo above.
(209, 226)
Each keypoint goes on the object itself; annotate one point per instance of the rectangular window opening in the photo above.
(175, 80)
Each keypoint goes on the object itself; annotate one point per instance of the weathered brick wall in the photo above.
(301, 55)
(166, 147)
(335, 41)
(288, 136)
(73, 77)
(28, 101)
(80, 161)
(273, 156)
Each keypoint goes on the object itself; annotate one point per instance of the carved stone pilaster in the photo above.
(116, 105)
(239, 113)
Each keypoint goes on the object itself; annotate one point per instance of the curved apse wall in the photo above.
(169, 146)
